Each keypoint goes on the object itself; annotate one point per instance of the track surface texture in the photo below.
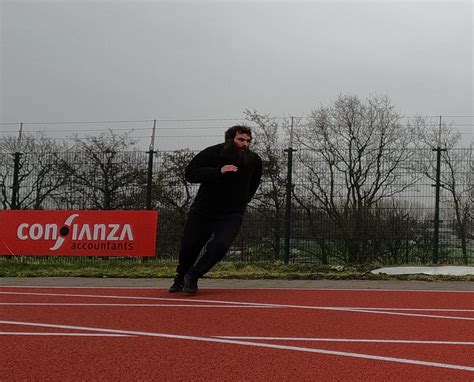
(53, 329)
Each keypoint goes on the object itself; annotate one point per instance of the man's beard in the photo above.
(239, 157)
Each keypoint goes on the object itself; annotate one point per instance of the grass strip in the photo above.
(21, 267)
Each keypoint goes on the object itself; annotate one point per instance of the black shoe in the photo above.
(190, 284)
(177, 285)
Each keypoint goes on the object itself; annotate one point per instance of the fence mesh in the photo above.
(384, 215)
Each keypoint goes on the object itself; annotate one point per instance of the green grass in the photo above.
(21, 267)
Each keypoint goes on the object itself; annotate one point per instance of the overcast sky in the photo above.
(69, 60)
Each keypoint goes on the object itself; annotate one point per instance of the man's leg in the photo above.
(225, 231)
(197, 232)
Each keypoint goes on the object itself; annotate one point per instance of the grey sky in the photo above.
(135, 60)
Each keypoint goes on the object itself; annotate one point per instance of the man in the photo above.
(229, 174)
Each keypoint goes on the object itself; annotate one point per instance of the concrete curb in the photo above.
(91, 282)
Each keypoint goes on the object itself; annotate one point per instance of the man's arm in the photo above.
(201, 170)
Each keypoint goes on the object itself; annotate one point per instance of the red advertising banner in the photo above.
(78, 233)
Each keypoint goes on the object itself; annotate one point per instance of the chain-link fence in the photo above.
(415, 209)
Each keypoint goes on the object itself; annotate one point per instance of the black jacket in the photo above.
(221, 194)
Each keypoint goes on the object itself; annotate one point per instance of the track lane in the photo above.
(228, 318)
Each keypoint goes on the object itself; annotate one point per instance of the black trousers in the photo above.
(197, 232)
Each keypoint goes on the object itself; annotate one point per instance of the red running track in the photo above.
(123, 334)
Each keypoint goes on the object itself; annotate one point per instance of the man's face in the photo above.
(242, 140)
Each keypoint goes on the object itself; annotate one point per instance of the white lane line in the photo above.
(137, 298)
(64, 334)
(231, 303)
(371, 310)
(356, 340)
(195, 299)
(417, 309)
(349, 289)
(412, 314)
(253, 344)
(349, 309)
(134, 305)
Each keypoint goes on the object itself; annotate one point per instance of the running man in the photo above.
(229, 174)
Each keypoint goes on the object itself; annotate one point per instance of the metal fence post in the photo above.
(149, 179)
(289, 188)
(15, 186)
(437, 221)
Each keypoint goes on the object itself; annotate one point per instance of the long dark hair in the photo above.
(232, 131)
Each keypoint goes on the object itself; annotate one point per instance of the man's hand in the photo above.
(228, 168)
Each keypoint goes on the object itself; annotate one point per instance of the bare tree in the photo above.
(269, 201)
(357, 156)
(6, 175)
(173, 196)
(41, 175)
(171, 190)
(106, 172)
(456, 176)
